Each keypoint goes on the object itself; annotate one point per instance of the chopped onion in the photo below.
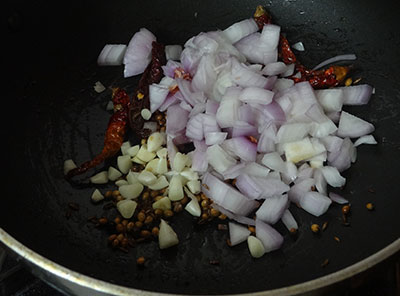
(368, 139)
(332, 176)
(344, 57)
(298, 190)
(353, 127)
(338, 198)
(111, 55)
(237, 233)
(315, 203)
(289, 221)
(173, 52)
(272, 209)
(215, 138)
(240, 29)
(357, 94)
(138, 53)
(219, 159)
(271, 239)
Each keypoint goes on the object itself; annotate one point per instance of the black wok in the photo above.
(51, 113)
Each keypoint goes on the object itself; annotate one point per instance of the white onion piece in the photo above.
(194, 128)
(298, 190)
(131, 191)
(282, 84)
(173, 52)
(241, 147)
(289, 221)
(215, 138)
(344, 57)
(177, 118)
(228, 113)
(100, 178)
(248, 186)
(138, 53)
(271, 239)
(331, 99)
(272, 209)
(274, 161)
(113, 173)
(234, 171)
(292, 132)
(320, 182)
(238, 218)
(96, 196)
(337, 198)
(240, 30)
(315, 203)
(219, 159)
(226, 196)
(126, 208)
(299, 46)
(353, 127)
(199, 157)
(256, 170)
(256, 95)
(157, 95)
(167, 237)
(274, 68)
(237, 233)
(341, 159)
(357, 94)
(245, 77)
(266, 142)
(256, 247)
(271, 186)
(332, 176)
(111, 55)
(269, 38)
(368, 139)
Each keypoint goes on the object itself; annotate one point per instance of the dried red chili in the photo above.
(140, 99)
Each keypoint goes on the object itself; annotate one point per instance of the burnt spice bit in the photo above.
(315, 228)
(370, 206)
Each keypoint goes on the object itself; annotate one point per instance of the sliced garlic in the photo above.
(137, 160)
(175, 188)
(162, 204)
(131, 191)
(167, 236)
(162, 153)
(154, 142)
(124, 147)
(162, 166)
(189, 174)
(145, 155)
(159, 184)
(132, 177)
(97, 196)
(100, 178)
(121, 182)
(127, 207)
(152, 165)
(179, 162)
(132, 151)
(113, 173)
(69, 164)
(193, 207)
(256, 247)
(194, 186)
(146, 178)
(124, 163)
(146, 114)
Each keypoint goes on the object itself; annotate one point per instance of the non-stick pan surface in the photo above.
(51, 113)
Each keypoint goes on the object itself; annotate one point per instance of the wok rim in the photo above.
(101, 286)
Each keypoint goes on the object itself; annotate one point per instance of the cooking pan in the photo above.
(51, 113)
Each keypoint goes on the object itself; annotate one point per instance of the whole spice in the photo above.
(315, 228)
(140, 261)
(369, 206)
